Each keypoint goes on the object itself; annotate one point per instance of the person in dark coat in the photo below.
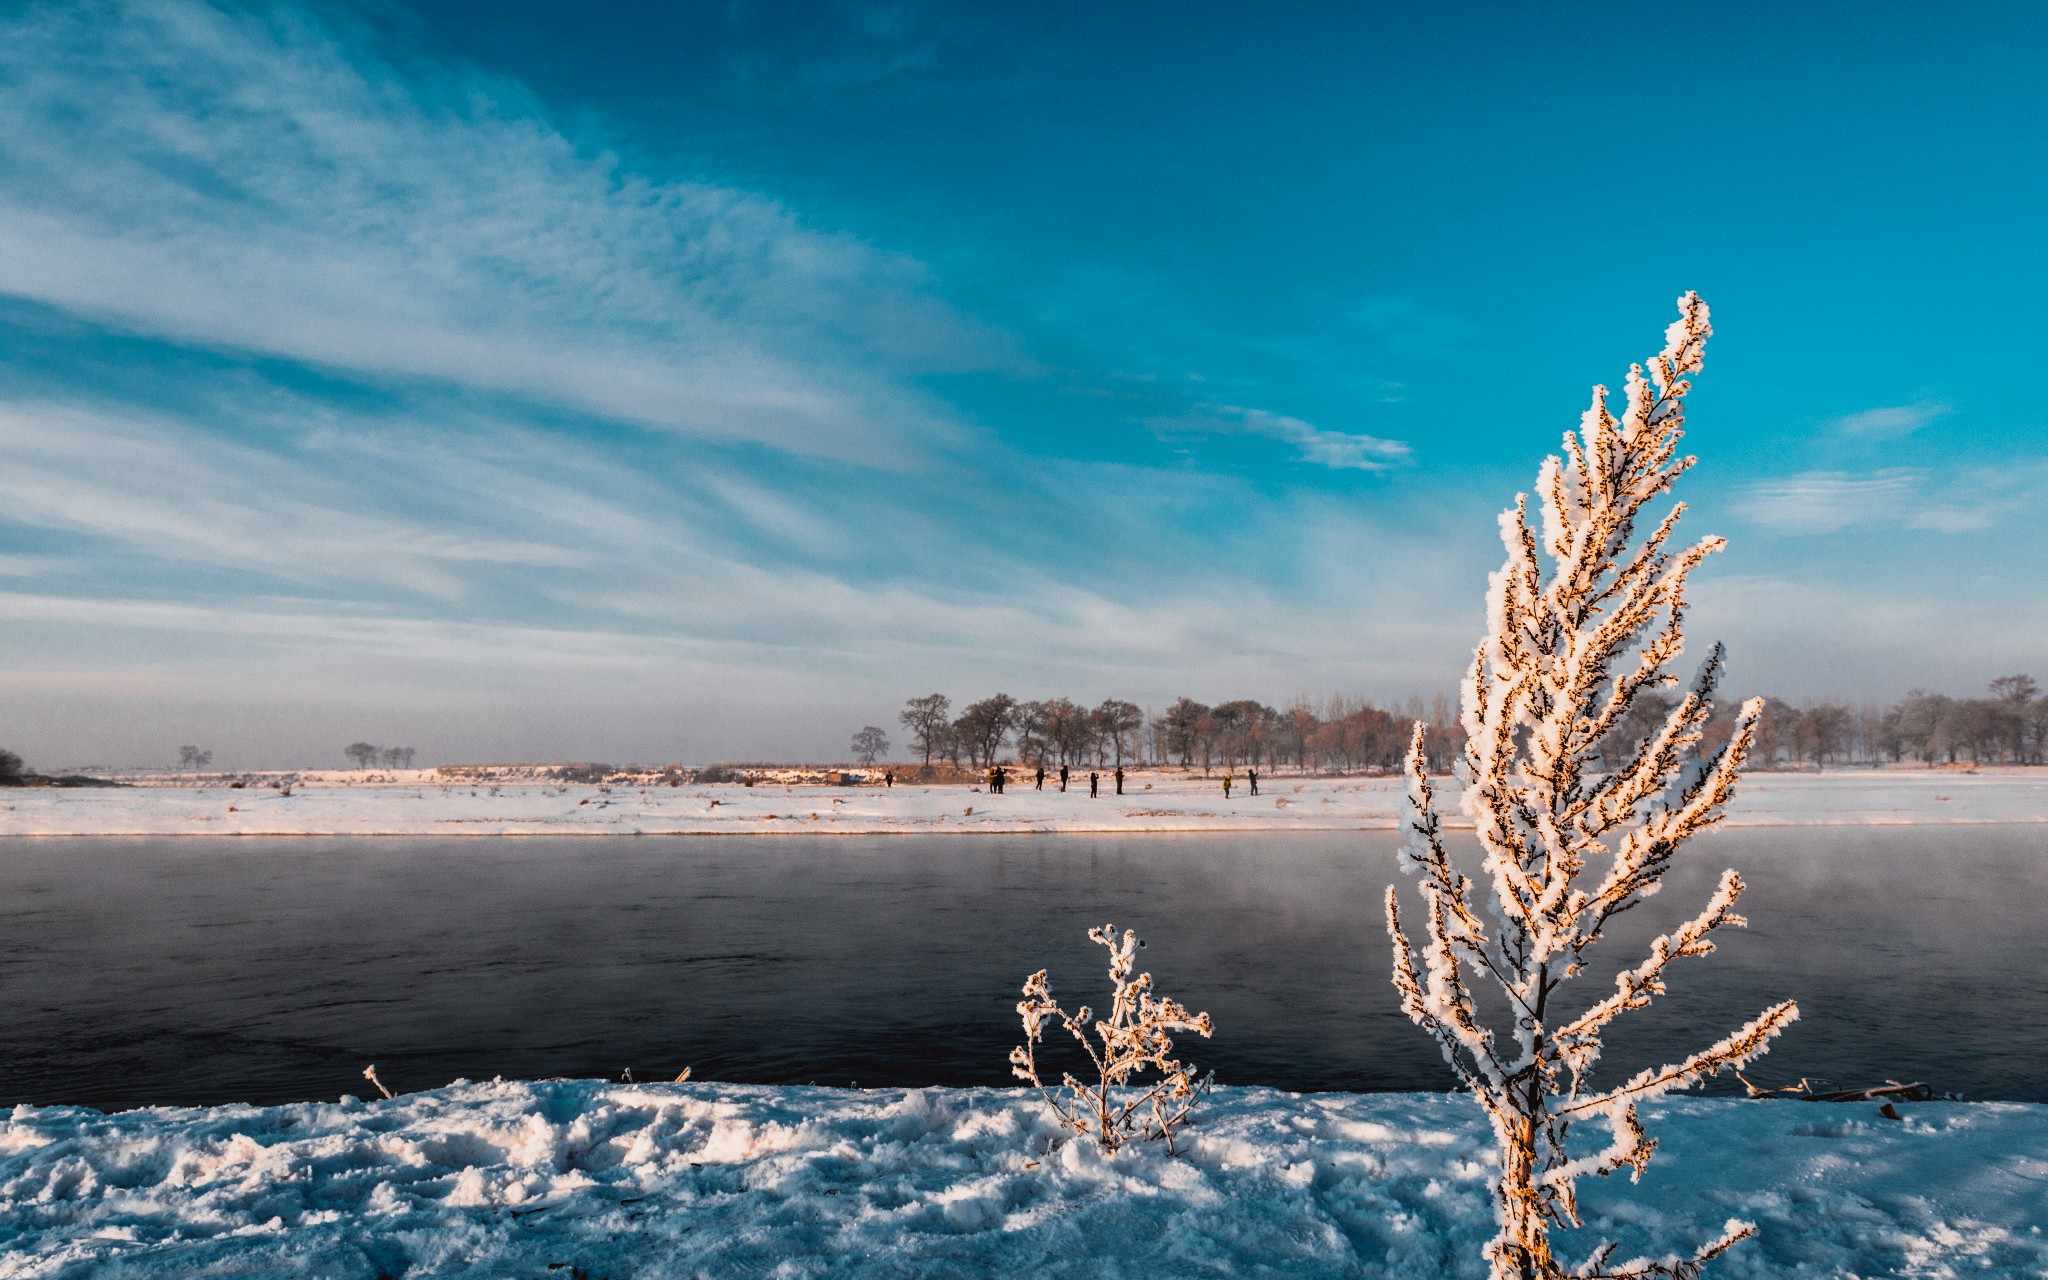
(1253, 776)
(1040, 785)
(1063, 779)
(1119, 779)
(1094, 784)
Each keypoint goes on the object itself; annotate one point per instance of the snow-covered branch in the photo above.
(1584, 618)
(1133, 1039)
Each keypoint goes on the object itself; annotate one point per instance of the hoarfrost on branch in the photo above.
(1583, 619)
(1134, 1038)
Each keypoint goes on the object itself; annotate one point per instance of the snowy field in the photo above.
(586, 1179)
(421, 803)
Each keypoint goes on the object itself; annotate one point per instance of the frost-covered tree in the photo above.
(1584, 619)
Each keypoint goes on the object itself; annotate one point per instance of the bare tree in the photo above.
(2018, 689)
(1117, 723)
(11, 767)
(1824, 731)
(1239, 727)
(1566, 655)
(193, 758)
(1071, 729)
(1183, 725)
(983, 726)
(2017, 694)
(1776, 732)
(1922, 726)
(870, 744)
(1028, 723)
(1300, 723)
(364, 754)
(928, 719)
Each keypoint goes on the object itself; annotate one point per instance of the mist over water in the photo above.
(142, 972)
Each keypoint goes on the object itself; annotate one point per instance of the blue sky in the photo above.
(681, 381)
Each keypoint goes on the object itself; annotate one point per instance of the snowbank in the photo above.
(590, 1179)
(420, 804)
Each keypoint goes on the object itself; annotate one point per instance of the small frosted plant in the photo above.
(1118, 1108)
(1570, 840)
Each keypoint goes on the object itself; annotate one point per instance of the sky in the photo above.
(679, 381)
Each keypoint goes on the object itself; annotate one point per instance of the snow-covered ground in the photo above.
(582, 1178)
(421, 803)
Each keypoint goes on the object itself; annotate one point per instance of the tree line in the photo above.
(1353, 735)
(1343, 733)
(2010, 726)
(368, 755)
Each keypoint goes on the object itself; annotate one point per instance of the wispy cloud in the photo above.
(1339, 450)
(1890, 423)
(252, 183)
(1828, 501)
(1823, 502)
(430, 402)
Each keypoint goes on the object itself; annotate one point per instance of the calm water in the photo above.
(136, 972)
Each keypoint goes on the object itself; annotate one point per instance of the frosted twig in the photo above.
(1134, 1039)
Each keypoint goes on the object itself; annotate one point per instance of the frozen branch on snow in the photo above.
(1116, 1109)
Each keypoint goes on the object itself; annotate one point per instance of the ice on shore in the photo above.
(421, 804)
(595, 1179)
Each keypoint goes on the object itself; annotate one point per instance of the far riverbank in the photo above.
(423, 802)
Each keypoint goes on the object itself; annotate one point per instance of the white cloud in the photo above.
(1888, 423)
(379, 561)
(251, 183)
(1342, 450)
(1962, 501)
(163, 490)
(1829, 501)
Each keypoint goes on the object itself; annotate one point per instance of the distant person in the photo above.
(1119, 779)
(1002, 779)
(1063, 779)
(1226, 786)
(889, 778)
(1252, 776)
(1094, 784)
(1040, 783)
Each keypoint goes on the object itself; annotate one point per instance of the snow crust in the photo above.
(419, 804)
(594, 1179)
